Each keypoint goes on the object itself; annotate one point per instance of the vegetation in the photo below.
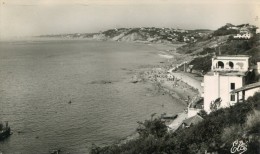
(207, 50)
(233, 47)
(216, 133)
(202, 63)
(155, 128)
(1, 126)
(224, 31)
(224, 45)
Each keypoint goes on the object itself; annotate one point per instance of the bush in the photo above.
(202, 113)
(224, 31)
(253, 122)
(154, 127)
(202, 63)
(207, 51)
(216, 133)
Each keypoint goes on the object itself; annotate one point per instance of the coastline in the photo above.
(181, 89)
(156, 75)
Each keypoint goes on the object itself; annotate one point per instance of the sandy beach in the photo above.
(189, 79)
(179, 85)
(182, 85)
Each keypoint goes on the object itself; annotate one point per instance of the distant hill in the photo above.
(200, 42)
(143, 34)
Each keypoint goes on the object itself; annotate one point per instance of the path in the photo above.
(178, 121)
(184, 77)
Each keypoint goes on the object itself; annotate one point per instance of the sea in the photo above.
(70, 94)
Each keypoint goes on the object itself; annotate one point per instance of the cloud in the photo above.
(122, 2)
(36, 17)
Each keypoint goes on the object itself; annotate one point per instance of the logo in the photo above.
(239, 146)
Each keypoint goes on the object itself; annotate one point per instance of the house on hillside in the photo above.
(233, 27)
(257, 31)
(243, 36)
(244, 33)
(229, 74)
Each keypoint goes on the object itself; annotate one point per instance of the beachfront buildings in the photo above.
(225, 84)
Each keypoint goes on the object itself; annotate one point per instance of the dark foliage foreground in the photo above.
(217, 133)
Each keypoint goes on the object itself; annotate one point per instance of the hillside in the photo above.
(223, 41)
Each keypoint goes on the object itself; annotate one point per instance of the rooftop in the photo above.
(233, 56)
(193, 120)
(247, 87)
(228, 73)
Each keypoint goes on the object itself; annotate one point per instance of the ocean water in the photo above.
(39, 78)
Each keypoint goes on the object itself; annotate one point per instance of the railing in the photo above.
(227, 69)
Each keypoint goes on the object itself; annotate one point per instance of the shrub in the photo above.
(252, 124)
(224, 31)
(215, 133)
(202, 63)
(202, 113)
(155, 127)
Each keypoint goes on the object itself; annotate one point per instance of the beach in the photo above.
(181, 87)
(178, 84)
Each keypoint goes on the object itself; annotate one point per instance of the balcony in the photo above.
(226, 69)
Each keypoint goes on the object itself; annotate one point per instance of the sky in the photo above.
(19, 18)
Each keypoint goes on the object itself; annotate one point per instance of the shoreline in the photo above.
(156, 75)
(181, 91)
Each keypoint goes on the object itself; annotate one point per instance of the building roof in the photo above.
(193, 120)
(247, 87)
(233, 56)
(228, 73)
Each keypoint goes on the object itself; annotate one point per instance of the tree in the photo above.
(155, 127)
(202, 113)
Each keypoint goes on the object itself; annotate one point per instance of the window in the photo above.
(231, 64)
(220, 64)
(232, 86)
(232, 98)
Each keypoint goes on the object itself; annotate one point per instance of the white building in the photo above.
(243, 36)
(257, 31)
(227, 74)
